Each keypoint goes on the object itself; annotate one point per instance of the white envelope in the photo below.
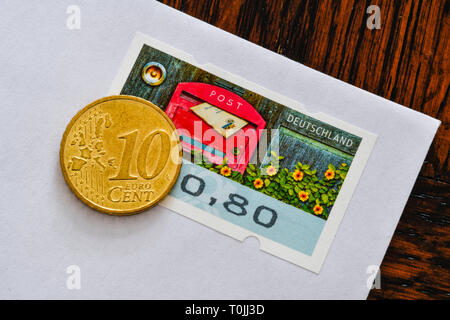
(47, 235)
(219, 119)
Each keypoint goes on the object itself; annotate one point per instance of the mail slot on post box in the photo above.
(216, 121)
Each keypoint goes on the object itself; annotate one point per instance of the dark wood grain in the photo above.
(406, 61)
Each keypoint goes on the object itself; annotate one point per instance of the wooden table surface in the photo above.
(406, 61)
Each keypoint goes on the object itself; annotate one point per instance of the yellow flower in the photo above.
(297, 175)
(258, 183)
(318, 209)
(329, 174)
(225, 171)
(271, 170)
(344, 164)
(303, 196)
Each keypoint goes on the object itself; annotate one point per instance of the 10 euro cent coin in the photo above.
(121, 155)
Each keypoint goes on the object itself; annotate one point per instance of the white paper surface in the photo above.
(50, 72)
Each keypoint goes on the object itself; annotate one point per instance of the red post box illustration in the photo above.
(217, 122)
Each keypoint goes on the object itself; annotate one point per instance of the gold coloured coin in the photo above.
(120, 155)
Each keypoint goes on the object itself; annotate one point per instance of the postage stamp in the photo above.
(255, 163)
